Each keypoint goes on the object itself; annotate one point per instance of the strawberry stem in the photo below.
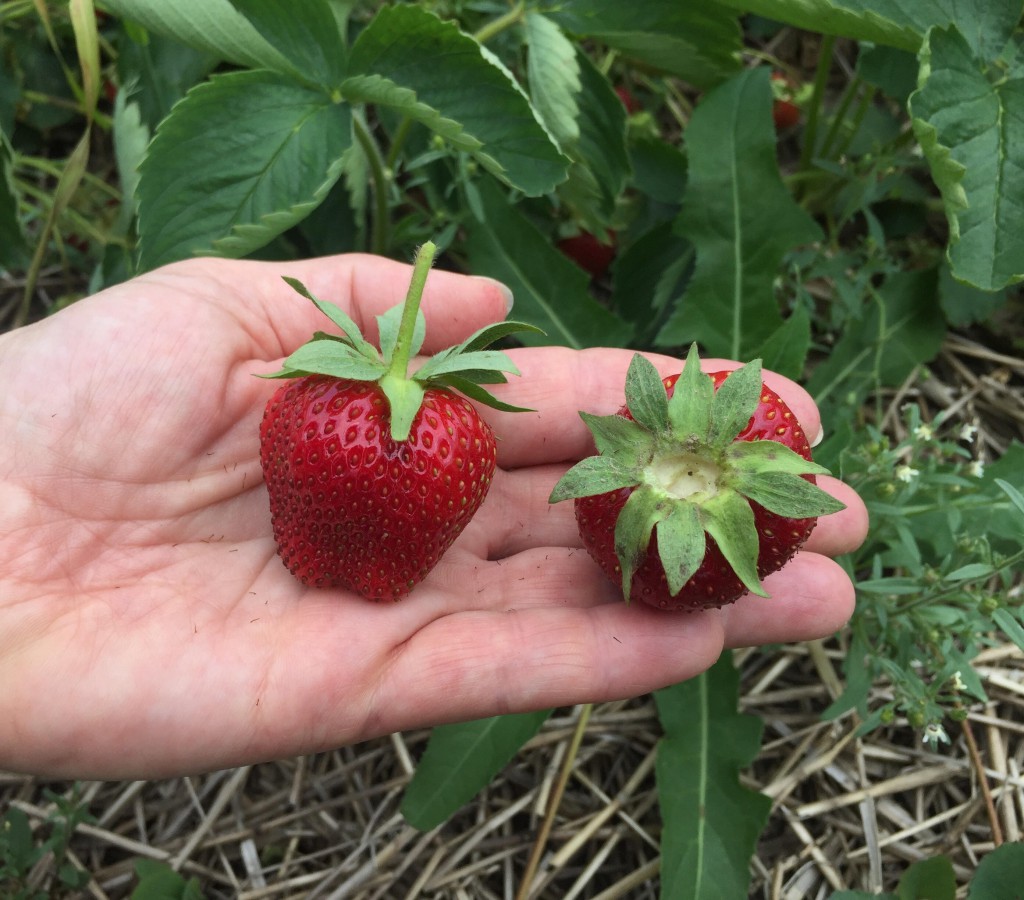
(399, 367)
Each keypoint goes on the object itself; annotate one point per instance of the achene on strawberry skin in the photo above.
(703, 485)
(373, 472)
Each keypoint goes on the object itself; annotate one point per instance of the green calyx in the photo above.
(463, 368)
(691, 478)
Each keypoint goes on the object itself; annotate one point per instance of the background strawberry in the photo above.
(702, 486)
(373, 472)
(589, 252)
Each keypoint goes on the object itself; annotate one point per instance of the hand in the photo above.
(147, 626)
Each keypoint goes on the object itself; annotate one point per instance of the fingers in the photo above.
(558, 383)
(811, 598)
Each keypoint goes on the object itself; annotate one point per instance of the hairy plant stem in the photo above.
(399, 367)
(554, 801)
(498, 25)
(380, 229)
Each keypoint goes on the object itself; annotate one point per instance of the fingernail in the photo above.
(506, 292)
(819, 438)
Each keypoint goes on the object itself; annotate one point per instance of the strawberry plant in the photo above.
(842, 252)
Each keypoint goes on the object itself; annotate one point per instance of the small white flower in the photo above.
(968, 432)
(976, 469)
(934, 734)
(924, 432)
(906, 473)
(957, 682)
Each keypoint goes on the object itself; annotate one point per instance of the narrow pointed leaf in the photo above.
(729, 520)
(770, 456)
(617, 436)
(473, 390)
(339, 317)
(711, 822)
(689, 407)
(788, 495)
(645, 394)
(332, 357)
(593, 475)
(484, 360)
(642, 511)
(734, 403)
(460, 760)
(740, 219)
(388, 324)
(491, 333)
(681, 545)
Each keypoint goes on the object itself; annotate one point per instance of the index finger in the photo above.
(557, 383)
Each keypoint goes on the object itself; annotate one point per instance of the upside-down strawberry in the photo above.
(372, 473)
(703, 486)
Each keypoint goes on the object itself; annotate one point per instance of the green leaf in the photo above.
(491, 333)
(734, 403)
(698, 42)
(928, 879)
(461, 363)
(388, 326)
(331, 357)
(410, 49)
(12, 241)
(593, 475)
(1010, 626)
(158, 881)
(304, 32)
(729, 520)
(211, 25)
(553, 72)
(965, 304)
(551, 292)
(892, 22)
(645, 394)
(601, 163)
(999, 875)
(223, 184)
(621, 438)
(692, 400)
(681, 545)
(352, 335)
(711, 822)
(787, 495)
(1016, 497)
(473, 390)
(740, 219)
(460, 760)
(969, 119)
(642, 511)
(785, 349)
(769, 456)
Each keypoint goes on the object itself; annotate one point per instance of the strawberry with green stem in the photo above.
(702, 486)
(373, 471)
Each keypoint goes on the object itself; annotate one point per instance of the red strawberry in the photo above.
(373, 473)
(704, 485)
(588, 252)
(785, 111)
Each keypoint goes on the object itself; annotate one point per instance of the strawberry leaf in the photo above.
(681, 545)
(689, 408)
(593, 475)
(330, 357)
(734, 403)
(352, 335)
(617, 436)
(388, 326)
(491, 333)
(485, 361)
(752, 457)
(729, 520)
(473, 390)
(645, 394)
(788, 495)
(642, 511)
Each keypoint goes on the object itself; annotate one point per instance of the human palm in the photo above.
(147, 626)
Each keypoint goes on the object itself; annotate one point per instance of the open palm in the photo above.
(147, 626)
